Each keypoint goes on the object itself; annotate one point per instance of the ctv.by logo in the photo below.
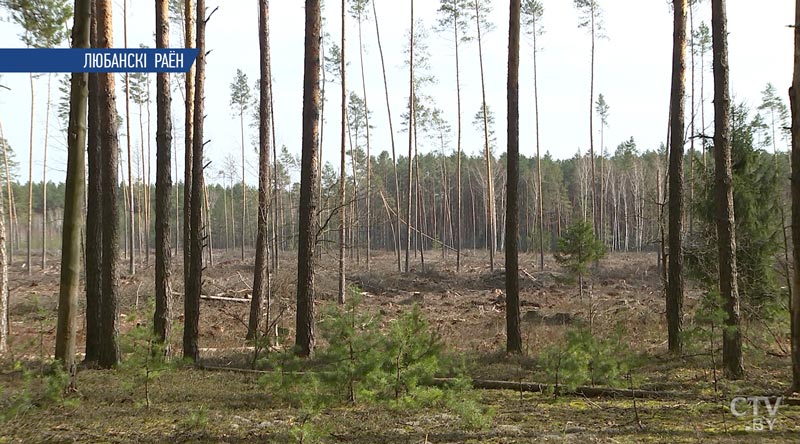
(760, 422)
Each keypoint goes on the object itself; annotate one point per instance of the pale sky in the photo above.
(632, 72)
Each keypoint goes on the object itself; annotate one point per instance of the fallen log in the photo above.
(224, 298)
(533, 387)
(590, 392)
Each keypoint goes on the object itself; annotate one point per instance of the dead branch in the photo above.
(223, 298)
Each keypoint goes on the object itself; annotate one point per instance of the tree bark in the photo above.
(194, 285)
(261, 278)
(4, 319)
(726, 232)
(189, 22)
(4, 299)
(276, 198)
(304, 343)
(109, 310)
(675, 236)
(66, 330)
(94, 212)
(162, 318)
(794, 96)
(513, 335)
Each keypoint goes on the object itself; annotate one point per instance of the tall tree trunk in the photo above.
(391, 135)
(794, 96)
(726, 232)
(225, 213)
(342, 166)
(411, 106)
(208, 234)
(10, 201)
(675, 268)
(538, 147)
(276, 195)
(141, 214)
(132, 255)
(233, 212)
(109, 310)
(178, 225)
(261, 278)
(323, 98)
(188, 34)
(593, 188)
(244, 185)
(488, 153)
(29, 263)
(513, 335)
(304, 344)
(4, 317)
(194, 285)
(459, 235)
(162, 318)
(66, 331)
(94, 212)
(368, 191)
(692, 132)
(44, 173)
(147, 199)
(419, 202)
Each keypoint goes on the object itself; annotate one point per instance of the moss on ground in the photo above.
(194, 406)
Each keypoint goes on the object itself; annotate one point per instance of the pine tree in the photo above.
(674, 303)
(728, 285)
(794, 100)
(454, 14)
(480, 11)
(109, 353)
(532, 12)
(261, 278)
(577, 249)
(513, 335)
(358, 11)
(304, 342)
(241, 98)
(590, 17)
(162, 317)
(391, 137)
(66, 331)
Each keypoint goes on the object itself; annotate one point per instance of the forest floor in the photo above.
(624, 307)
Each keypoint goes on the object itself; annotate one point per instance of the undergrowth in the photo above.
(362, 364)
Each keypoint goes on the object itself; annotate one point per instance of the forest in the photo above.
(395, 274)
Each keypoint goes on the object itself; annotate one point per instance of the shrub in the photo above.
(360, 363)
(586, 358)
